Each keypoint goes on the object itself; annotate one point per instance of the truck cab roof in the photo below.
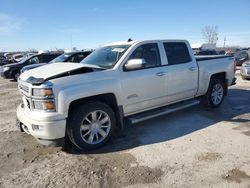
(143, 41)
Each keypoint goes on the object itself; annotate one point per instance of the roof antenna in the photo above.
(130, 40)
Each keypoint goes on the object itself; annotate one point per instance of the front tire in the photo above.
(215, 94)
(91, 125)
(16, 75)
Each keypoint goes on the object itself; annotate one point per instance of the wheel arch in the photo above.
(220, 76)
(107, 98)
(14, 71)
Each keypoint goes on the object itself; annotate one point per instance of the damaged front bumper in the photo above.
(48, 130)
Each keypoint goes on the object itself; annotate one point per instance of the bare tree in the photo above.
(210, 34)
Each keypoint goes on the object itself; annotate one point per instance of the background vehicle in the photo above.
(18, 57)
(73, 57)
(245, 70)
(204, 49)
(207, 52)
(8, 57)
(221, 52)
(241, 56)
(3, 60)
(12, 71)
(134, 80)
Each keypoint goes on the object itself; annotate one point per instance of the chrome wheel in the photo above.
(217, 94)
(95, 127)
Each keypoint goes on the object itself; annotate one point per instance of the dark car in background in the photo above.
(207, 52)
(241, 57)
(3, 60)
(74, 57)
(221, 52)
(12, 71)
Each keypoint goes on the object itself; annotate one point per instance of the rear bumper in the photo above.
(47, 132)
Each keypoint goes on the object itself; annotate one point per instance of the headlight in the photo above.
(44, 105)
(42, 92)
(6, 68)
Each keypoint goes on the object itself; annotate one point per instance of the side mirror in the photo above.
(134, 64)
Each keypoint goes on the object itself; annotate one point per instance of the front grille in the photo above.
(25, 91)
(24, 88)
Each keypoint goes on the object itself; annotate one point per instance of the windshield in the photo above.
(25, 59)
(106, 57)
(61, 58)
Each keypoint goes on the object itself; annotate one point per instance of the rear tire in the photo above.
(215, 94)
(91, 125)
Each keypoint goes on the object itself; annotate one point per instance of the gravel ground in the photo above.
(195, 147)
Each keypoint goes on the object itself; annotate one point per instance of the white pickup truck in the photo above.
(134, 80)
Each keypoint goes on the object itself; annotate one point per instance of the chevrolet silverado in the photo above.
(133, 81)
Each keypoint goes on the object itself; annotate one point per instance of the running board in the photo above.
(161, 111)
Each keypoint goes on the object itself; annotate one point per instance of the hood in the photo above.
(13, 64)
(56, 70)
(29, 67)
(34, 66)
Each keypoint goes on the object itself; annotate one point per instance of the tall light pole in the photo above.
(224, 44)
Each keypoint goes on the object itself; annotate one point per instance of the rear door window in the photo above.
(177, 53)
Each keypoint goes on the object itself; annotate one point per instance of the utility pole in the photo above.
(71, 41)
(224, 45)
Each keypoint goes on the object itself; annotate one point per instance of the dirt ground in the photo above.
(195, 147)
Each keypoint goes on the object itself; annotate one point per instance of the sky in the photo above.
(47, 24)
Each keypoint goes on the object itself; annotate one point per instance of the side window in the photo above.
(48, 58)
(148, 52)
(177, 53)
(33, 60)
(80, 57)
(70, 59)
(77, 58)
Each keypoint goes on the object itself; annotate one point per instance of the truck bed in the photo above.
(209, 65)
(210, 57)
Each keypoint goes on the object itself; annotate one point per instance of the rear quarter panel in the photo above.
(207, 68)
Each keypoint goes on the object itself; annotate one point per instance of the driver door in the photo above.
(144, 88)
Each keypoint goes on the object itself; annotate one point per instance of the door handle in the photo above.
(192, 68)
(160, 73)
